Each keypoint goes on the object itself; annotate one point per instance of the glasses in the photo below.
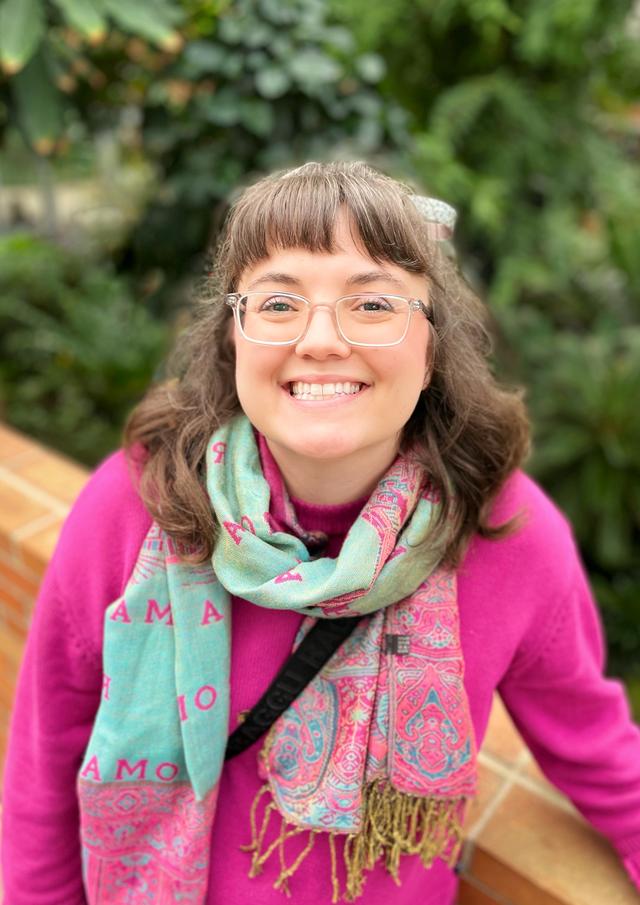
(282, 318)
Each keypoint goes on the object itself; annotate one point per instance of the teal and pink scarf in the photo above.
(378, 749)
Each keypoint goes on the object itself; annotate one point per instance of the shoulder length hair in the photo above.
(469, 432)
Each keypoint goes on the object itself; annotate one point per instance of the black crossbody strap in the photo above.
(315, 649)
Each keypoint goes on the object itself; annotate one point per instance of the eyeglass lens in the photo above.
(375, 319)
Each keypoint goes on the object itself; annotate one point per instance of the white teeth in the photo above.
(318, 391)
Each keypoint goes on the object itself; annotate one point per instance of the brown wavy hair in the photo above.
(469, 432)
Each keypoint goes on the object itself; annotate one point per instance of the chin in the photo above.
(325, 447)
(324, 450)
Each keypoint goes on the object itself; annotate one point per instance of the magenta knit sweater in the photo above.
(529, 628)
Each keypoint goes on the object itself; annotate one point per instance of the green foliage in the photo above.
(76, 351)
(258, 84)
(39, 43)
(263, 85)
(86, 16)
(39, 103)
(21, 30)
(521, 117)
(584, 390)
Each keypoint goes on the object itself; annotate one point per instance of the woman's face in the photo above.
(363, 428)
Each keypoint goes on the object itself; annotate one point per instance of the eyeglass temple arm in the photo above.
(418, 305)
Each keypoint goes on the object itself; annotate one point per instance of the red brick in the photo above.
(471, 895)
(14, 579)
(16, 509)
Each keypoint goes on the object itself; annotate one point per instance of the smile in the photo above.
(318, 391)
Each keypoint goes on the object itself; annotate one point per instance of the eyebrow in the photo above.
(374, 276)
(283, 278)
(357, 279)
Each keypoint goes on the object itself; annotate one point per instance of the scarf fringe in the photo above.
(395, 824)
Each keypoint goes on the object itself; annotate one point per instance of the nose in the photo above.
(322, 338)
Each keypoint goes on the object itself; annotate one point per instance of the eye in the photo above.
(372, 303)
(279, 304)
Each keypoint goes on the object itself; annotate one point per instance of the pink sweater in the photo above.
(529, 629)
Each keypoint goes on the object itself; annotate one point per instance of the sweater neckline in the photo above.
(334, 519)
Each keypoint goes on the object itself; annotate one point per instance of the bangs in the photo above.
(301, 208)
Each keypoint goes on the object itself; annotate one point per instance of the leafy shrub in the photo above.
(76, 350)
(264, 85)
(39, 40)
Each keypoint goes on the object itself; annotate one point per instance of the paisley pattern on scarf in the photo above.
(384, 716)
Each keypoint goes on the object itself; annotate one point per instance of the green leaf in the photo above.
(85, 16)
(257, 116)
(39, 106)
(370, 67)
(203, 57)
(222, 108)
(21, 29)
(272, 81)
(313, 66)
(149, 21)
(170, 11)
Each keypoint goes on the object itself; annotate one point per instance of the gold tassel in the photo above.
(251, 846)
(335, 884)
(286, 872)
(256, 861)
(394, 824)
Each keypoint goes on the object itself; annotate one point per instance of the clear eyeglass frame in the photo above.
(233, 300)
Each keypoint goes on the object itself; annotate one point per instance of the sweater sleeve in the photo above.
(59, 689)
(577, 722)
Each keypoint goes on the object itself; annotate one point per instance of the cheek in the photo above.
(409, 365)
(256, 368)
(410, 379)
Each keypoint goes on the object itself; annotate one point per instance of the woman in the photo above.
(334, 445)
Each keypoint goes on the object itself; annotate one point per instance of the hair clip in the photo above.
(440, 216)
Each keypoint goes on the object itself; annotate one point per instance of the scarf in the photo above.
(378, 749)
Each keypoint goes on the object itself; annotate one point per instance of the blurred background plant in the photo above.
(75, 346)
(523, 113)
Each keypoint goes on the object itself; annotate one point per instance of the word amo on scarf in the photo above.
(154, 614)
(166, 771)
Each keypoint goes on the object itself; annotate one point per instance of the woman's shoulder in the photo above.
(538, 519)
(523, 581)
(539, 550)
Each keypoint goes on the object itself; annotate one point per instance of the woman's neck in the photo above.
(330, 482)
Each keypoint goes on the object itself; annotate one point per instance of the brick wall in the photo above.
(526, 844)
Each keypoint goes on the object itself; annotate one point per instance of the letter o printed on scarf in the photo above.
(205, 690)
(174, 769)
